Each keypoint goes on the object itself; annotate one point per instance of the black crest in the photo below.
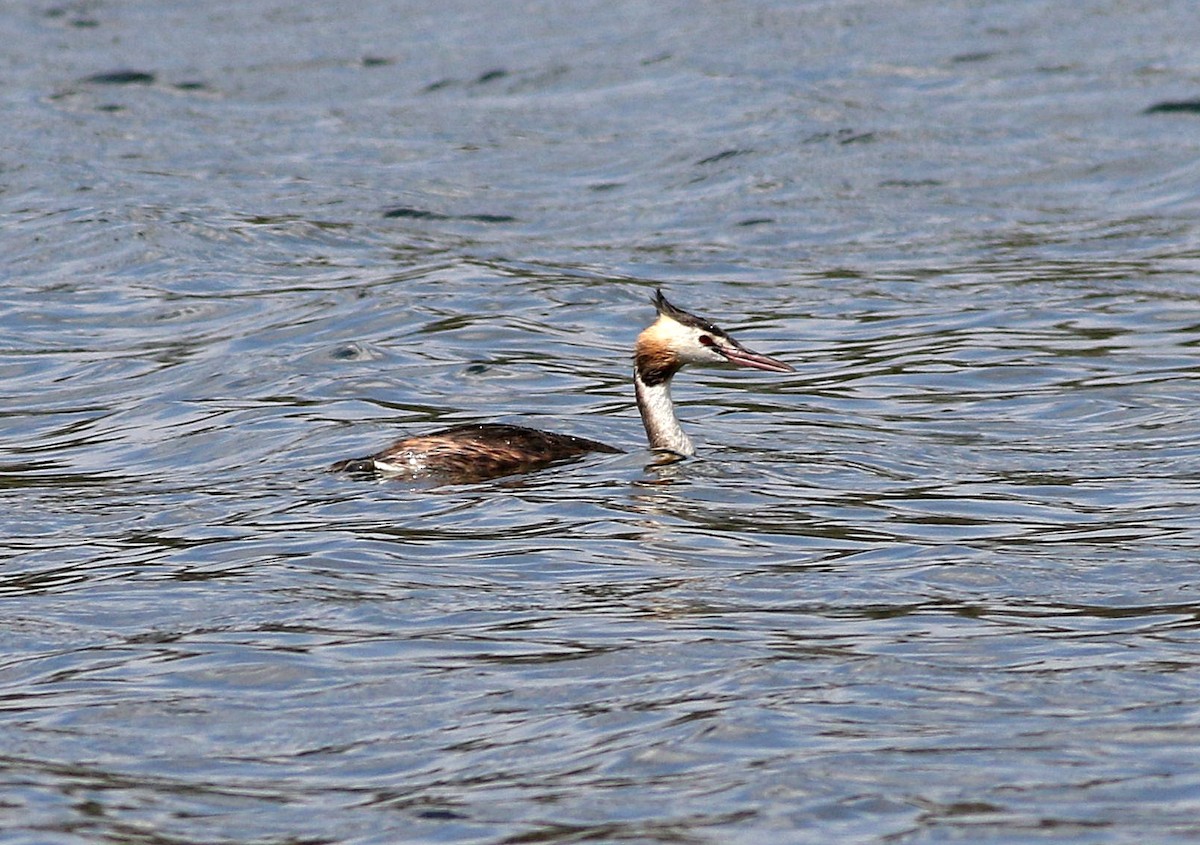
(680, 316)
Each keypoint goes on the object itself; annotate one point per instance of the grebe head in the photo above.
(677, 338)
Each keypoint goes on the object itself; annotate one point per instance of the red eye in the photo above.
(705, 340)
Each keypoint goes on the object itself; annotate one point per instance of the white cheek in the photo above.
(701, 355)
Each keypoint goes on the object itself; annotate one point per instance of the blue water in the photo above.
(937, 585)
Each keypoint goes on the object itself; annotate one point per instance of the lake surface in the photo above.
(940, 584)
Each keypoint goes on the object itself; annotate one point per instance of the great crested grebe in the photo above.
(475, 452)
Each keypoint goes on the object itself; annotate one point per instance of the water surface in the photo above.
(939, 584)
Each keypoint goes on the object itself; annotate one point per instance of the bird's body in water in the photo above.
(489, 450)
(473, 453)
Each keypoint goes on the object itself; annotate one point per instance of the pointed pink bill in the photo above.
(743, 357)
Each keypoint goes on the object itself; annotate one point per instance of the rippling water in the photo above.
(938, 584)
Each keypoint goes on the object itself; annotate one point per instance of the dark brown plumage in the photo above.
(474, 452)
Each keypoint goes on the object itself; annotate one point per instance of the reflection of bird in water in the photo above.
(478, 451)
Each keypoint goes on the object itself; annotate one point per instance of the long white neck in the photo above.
(658, 416)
